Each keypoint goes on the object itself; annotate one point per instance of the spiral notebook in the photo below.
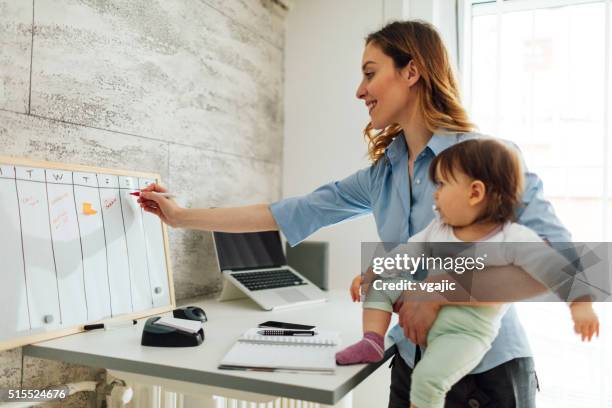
(253, 351)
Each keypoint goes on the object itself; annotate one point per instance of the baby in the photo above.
(479, 186)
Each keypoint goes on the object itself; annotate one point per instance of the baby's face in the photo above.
(454, 199)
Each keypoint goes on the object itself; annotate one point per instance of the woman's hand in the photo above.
(165, 208)
(417, 313)
(585, 320)
(356, 288)
(416, 318)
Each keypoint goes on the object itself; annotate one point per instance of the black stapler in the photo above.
(163, 336)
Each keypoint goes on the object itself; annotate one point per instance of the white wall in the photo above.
(324, 120)
(324, 123)
(441, 13)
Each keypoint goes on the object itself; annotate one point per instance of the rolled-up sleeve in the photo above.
(299, 217)
(536, 212)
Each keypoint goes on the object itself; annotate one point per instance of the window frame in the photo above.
(467, 9)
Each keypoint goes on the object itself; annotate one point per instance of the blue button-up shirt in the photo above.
(401, 209)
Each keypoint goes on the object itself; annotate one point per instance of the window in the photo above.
(537, 72)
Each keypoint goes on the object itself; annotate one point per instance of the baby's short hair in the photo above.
(491, 162)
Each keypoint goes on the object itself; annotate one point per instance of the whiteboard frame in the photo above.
(53, 334)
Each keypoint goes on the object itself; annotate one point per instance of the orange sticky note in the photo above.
(87, 210)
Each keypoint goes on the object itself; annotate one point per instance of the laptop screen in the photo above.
(250, 250)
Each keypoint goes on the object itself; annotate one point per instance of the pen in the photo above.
(260, 369)
(286, 332)
(108, 326)
(167, 195)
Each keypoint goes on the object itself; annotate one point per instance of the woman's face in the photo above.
(384, 89)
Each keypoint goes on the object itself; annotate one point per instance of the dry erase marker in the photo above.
(109, 326)
(167, 195)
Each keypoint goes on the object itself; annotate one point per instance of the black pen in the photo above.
(286, 332)
(111, 325)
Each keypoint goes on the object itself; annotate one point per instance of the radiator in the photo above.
(152, 392)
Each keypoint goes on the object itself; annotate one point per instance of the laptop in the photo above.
(255, 264)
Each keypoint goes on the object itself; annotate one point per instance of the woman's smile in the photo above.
(370, 105)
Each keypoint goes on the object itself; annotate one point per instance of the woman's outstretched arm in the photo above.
(251, 218)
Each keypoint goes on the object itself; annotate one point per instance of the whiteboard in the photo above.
(76, 248)
(13, 288)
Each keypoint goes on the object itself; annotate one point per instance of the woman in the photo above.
(411, 94)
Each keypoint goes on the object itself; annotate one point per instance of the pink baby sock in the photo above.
(370, 349)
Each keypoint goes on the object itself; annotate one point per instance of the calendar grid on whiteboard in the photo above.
(64, 281)
(59, 301)
(110, 295)
(127, 250)
(21, 319)
(80, 246)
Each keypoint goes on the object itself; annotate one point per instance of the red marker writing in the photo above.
(167, 195)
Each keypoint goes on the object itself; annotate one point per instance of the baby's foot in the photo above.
(370, 349)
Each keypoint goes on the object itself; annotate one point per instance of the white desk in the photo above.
(120, 350)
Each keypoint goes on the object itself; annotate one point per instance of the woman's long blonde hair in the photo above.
(437, 91)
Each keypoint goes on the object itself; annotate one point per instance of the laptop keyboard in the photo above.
(260, 280)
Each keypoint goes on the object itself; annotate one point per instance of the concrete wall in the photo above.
(324, 120)
(324, 127)
(191, 89)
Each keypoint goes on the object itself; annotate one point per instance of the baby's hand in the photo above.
(356, 288)
(585, 320)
